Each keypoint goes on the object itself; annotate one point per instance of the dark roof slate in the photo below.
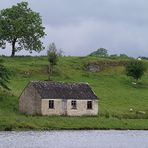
(56, 90)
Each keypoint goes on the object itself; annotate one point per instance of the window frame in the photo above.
(89, 105)
(51, 104)
(73, 104)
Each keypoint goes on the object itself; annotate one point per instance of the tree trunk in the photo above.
(50, 69)
(13, 48)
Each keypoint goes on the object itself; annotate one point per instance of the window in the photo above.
(51, 104)
(74, 104)
(89, 104)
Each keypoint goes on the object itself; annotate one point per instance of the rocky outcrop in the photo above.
(98, 66)
(93, 67)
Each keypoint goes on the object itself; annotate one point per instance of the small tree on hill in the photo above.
(22, 28)
(53, 55)
(123, 56)
(135, 69)
(102, 52)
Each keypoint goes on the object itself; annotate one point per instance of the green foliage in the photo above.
(21, 27)
(144, 58)
(135, 69)
(114, 55)
(52, 54)
(123, 56)
(4, 77)
(101, 52)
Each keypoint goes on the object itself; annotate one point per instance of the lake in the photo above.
(75, 139)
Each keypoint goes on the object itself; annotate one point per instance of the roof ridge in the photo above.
(58, 82)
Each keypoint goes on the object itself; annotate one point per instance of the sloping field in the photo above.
(122, 105)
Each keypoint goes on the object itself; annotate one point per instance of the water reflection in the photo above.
(75, 139)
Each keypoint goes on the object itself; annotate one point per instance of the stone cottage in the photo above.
(56, 98)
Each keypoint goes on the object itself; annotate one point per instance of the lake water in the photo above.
(75, 139)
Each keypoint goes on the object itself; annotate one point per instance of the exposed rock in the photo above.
(100, 65)
(94, 67)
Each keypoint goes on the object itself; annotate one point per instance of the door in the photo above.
(64, 107)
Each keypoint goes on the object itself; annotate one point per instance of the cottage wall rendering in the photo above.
(57, 98)
(30, 101)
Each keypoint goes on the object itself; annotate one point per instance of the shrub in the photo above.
(135, 69)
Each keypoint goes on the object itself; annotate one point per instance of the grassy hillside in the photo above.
(117, 95)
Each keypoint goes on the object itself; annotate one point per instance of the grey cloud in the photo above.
(91, 34)
(81, 26)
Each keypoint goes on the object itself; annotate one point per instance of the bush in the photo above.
(135, 69)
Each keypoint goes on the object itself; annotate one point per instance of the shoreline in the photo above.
(59, 130)
(71, 129)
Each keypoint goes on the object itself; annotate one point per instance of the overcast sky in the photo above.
(79, 27)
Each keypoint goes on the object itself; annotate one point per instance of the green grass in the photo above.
(117, 95)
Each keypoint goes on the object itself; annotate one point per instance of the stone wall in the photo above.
(59, 109)
(82, 108)
(29, 101)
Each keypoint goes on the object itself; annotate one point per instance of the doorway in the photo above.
(64, 107)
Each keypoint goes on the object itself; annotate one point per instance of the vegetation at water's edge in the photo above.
(122, 105)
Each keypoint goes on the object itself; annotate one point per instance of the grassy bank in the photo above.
(21, 122)
(123, 105)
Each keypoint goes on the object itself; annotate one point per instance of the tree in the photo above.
(123, 55)
(102, 52)
(53, 55)
(135, 69)
(113, 55)
(22, 28)
(4, 77)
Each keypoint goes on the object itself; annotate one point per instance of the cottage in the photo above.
(56, 98)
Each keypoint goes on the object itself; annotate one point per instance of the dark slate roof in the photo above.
(56, 90)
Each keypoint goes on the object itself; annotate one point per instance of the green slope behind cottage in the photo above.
(122, 105)
(57, 98)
